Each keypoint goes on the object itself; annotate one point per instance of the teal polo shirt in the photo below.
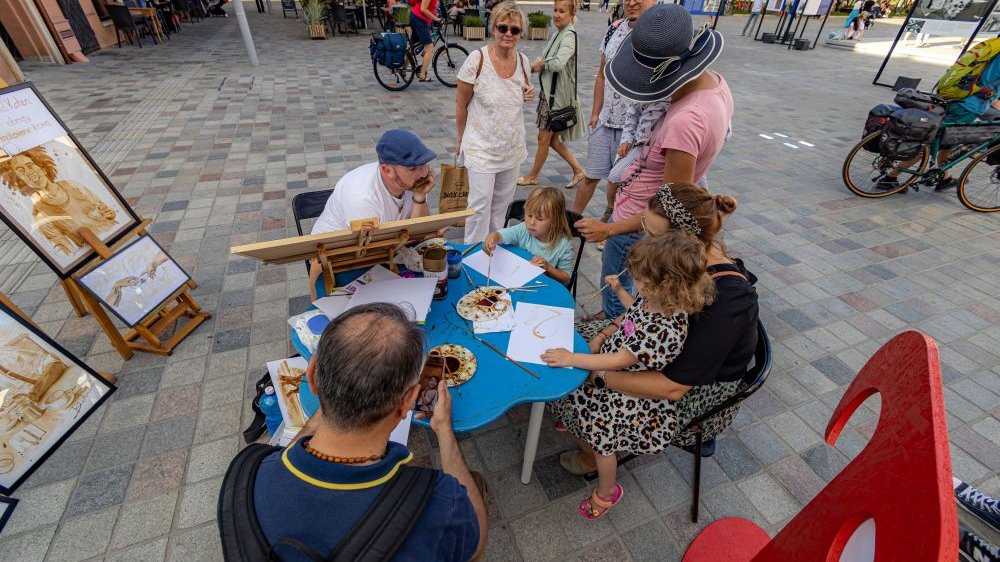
(297, 495)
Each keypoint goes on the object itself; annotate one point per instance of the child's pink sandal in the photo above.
(595, 506)
(559, 426)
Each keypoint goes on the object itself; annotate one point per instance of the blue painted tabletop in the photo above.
(498, 385)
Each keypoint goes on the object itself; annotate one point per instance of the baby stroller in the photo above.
(215, 8)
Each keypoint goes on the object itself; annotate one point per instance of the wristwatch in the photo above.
(599, 381)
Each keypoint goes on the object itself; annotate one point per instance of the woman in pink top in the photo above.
(660, 61)
(424, 14)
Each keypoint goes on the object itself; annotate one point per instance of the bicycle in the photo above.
(448, 59)
(978, 184)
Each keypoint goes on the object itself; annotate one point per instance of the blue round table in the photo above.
(498, 385)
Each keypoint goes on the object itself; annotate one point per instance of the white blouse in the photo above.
(494, 132)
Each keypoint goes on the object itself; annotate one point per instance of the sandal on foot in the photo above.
(595, 506)
(600, 246)
(523, 180)
(577, 178)
(559, 426)
(570, 461)
(426, 79)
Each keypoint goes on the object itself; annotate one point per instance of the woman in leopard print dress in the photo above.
(670, 277)
(719, 345)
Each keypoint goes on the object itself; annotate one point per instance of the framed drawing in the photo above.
(45, 394)
(50, 187)
(135, 281)
(7, 506)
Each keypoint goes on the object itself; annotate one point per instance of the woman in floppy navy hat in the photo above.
(664, 58)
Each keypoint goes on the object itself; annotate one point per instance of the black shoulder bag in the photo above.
(377, 536)
(567, 117)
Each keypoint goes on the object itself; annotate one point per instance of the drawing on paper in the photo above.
(135, 281)
(45, 393)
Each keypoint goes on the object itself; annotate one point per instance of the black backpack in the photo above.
(375, 537)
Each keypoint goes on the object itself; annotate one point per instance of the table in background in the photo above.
(153, 17)
(498, 384)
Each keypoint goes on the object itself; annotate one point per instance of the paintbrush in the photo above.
(468, 278)
(470, 248)
(491, 346)
(489, 270)
(598, 292)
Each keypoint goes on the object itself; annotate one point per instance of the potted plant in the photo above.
(538, 25)
(473, 28)
(314, 10)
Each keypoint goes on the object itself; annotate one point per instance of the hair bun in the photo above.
(725, 204)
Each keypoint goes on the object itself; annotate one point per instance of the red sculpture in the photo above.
(902, 478)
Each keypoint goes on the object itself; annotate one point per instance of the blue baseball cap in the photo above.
(403, 148)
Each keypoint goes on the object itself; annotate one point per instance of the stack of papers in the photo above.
(508, 269)
(379, 284)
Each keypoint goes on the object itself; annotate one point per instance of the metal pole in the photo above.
(893, 47)
(720, 9)
(829, 9)
(968, 43)
(241, 19)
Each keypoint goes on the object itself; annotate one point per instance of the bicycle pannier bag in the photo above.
(960, 80)
(910, 98)
(389, 49)
(970, 134)
(877, 118)
(907, 131)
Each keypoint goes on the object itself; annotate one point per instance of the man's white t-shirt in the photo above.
(362, 194)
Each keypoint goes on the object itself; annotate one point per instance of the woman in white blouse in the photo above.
(493, 86)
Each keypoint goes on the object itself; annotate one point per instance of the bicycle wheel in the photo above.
(396, 79)
(447, 60)
(979, 184)
(863, 169)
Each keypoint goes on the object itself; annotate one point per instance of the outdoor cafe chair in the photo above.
(754, 378)
(127, 25)
(516, 212)
(307, 206)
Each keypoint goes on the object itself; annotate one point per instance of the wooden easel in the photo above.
(152, 326)
(364, 252)
(113, 379)
(366, 243)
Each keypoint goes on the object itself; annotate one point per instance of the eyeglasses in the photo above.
(503, 28)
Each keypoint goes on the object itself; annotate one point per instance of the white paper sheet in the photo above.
(377, 273)
(413, 295)
(504, 323)
(537, 328)
(509, 269)
(332, 306)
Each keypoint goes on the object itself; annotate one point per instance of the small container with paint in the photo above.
(454, 263)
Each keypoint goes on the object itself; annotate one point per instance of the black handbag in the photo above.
(567, 117)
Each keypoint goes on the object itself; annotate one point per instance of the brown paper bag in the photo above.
(454, 189)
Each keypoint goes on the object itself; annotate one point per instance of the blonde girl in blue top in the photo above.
(545, 233)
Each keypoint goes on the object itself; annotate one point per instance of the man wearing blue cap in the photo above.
(392, 189)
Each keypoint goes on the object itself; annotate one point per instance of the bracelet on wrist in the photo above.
(415, 202)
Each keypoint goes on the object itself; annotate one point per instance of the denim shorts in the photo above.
(421, 31)
(602, 147)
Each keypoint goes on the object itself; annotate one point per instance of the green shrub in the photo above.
(539, 19)
(473, 21)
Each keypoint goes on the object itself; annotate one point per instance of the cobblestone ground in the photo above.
(214, 150)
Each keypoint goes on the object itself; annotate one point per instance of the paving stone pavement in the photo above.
(214, 150)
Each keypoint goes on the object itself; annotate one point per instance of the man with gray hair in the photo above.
(322, 493)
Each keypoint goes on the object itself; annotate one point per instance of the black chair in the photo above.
(754, 379)
(339, 18)
(127, 25)
(307, 206)
(516, 212)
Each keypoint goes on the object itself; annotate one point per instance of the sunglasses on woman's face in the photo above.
(503, 28)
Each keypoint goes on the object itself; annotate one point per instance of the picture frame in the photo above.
(48, 393)
(7, 506)
(45, 173)
(137, 280)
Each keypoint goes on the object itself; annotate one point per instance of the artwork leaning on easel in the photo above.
(63, 206)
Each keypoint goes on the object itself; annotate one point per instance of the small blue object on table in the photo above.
(498, 384)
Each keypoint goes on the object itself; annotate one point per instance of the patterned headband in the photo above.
(677, 213)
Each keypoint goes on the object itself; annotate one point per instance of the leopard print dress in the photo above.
(611, 421)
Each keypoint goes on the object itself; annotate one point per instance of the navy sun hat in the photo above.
(403, 148)
(661, 54)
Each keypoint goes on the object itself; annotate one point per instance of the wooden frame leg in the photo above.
(73, 293)
(108, 326)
